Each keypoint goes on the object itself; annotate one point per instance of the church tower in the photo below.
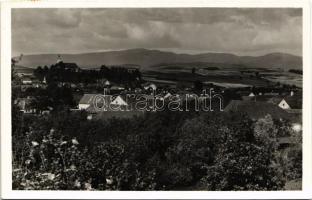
(59, 59)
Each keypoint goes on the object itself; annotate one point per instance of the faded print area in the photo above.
(157, 99)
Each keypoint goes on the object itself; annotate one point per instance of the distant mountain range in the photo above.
(148, 58)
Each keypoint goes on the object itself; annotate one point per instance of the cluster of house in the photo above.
(31, 81)
(26, 106)
(291, 103)
(28, 80)
(256, 105)
(281, 107)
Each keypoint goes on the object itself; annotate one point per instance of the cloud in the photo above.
(67, 18)
(245, 31)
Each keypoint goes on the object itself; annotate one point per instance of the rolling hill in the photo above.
(150, 58)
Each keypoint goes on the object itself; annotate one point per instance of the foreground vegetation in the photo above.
(157, 151)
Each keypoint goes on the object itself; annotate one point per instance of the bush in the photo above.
(55, 163)
(246, 159)
(158, 151)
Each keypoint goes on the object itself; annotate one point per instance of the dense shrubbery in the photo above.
(157, 151)
(246, 160)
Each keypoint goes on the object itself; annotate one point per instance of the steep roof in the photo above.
(90, 98)
(87, 98)
(104, 99)
(100, 104)
(256, 110)
(119, 101)
(275, 100)
(295, 102)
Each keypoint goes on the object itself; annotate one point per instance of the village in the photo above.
(104, 97)
(155, 99)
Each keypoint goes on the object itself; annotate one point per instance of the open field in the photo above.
(284, 78)
(187, 77)
(223, 76)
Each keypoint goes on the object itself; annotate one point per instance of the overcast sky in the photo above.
(191, 30)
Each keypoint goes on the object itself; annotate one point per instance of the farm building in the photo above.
(100, 106)
(288, 102)
(86, 101)
(99, 102)
(259, 109)
(93, 101)
(119, 101)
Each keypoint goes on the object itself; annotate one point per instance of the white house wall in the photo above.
(284, 105)
(119, 101)
(83, 106)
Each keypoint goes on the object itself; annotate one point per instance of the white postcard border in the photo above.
(6, 158)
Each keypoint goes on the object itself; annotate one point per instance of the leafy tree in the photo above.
(246, 159)
(155, 151)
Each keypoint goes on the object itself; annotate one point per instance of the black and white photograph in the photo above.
(157, 99)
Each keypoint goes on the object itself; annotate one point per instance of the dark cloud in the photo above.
(248, 31)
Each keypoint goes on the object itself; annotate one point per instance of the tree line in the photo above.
(59, 73)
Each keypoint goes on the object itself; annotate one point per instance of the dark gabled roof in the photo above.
(102, 103)
(89, 98)
(295, 102)
(275, 100)
(257, 109)
(263, 98)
